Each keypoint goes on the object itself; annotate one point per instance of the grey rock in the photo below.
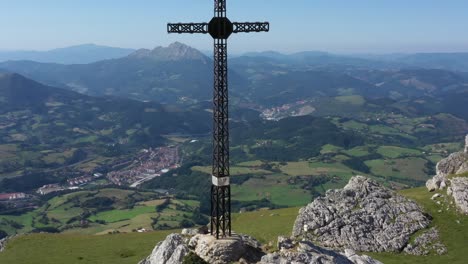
(189, 232)
(451, 164)
(426, 243)
(459, 189)
(306, 252)
(466, 144)
(226, 250)
(285, 243)
(170, 251)
(363, 216)
(356, 259)
(455, 163)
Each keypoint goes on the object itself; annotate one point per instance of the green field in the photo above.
(351, 99)
(396, 152)
(77, 249)
(408, 168)
(66, 212)
(120, 215)
(130, 248)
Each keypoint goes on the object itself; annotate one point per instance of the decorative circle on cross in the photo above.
(220, 27)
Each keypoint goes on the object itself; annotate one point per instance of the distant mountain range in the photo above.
(50, 116)
(183, 75)
(80, 54)
(165, 74)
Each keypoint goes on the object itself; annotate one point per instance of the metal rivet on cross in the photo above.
(220, 28)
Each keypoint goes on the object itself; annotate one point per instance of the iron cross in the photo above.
(220, 28)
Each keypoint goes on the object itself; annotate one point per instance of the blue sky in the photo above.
(345, 26)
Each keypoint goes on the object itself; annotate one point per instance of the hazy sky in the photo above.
(330, 25)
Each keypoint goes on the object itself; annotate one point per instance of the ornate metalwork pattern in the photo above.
(251, 27)
(188, 28)
(220, 28)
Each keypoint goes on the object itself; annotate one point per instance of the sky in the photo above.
(340, 26)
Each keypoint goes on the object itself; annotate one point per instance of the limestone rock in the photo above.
(451, 164)
(306, 252)
(170, 251)
(466, 144)
(459, 190)
(363, 216)
(356, 259)
(285, 243)
(426, 243)
(189, 232)
(226, 250)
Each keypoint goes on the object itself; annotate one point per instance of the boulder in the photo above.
(285, 243)
(363, 216)
(306, 252)
(226, 250)
(170, 251)
(426, 243)
(459, 191)
(451, 164)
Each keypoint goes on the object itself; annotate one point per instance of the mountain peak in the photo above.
(174, 52)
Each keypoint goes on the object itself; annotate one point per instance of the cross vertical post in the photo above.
(220, 28)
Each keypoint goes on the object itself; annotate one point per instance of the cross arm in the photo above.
(187, 28)
(251, 27)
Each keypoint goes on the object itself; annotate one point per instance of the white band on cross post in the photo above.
(220, 181)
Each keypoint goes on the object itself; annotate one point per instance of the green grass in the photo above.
(235, 170)
(269, 224)
(453, 235)
(351, 99)
(330, 149)
(120, 215)
(396, 152)
(279, 193)
(358, 151)
(79, 249)
(407, 168)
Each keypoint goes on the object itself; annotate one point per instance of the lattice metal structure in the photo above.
(220, 28)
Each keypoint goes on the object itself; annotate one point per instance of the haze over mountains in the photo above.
(181, 74)
(79, 54)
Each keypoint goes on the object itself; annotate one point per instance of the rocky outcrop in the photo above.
(459, 191)
(449, 174)
(306, 252)
(466, 144)
(455, 163)
(363, 216)
(227, 250)
(426, 243)
(170, 251)
(176, 247)
(246, 250)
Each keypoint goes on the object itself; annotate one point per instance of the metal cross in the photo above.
(220, 28)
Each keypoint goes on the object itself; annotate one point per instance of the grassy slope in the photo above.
(130, 248)
(453, 235)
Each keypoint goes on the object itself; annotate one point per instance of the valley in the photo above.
(87, 154)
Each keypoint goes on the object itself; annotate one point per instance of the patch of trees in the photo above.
(198, 218)
(3, 234)
(27, 182)
(98, 203)
(47, 229)
(164, 205)
(358, 163)
(240, 179)
(78, 155)
(303, 137)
